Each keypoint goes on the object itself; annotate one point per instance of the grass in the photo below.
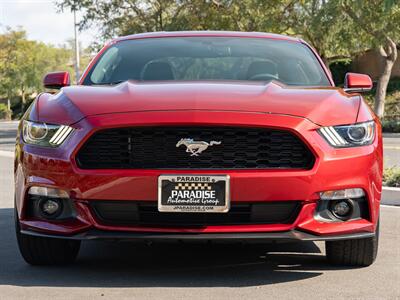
(4, 112)
(391, 177)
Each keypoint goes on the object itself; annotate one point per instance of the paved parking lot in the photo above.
(193, 271)
(7, 135)
(391, 149)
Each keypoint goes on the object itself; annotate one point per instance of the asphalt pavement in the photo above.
(107, 270)
(8, 131)
(391, 149)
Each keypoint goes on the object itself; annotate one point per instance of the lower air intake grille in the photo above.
(147, 214)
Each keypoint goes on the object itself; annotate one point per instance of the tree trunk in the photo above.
(9, 112)
(23, 99)
(389, 52)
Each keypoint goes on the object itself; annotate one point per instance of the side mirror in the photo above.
(56, 80)
(357, 83)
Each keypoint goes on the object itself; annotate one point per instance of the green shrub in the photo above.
(391, 125)
(394, 84)
(391, 177)
(5, 113)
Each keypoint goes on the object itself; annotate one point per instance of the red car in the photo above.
(200, 135)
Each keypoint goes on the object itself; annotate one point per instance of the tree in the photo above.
(8, 48)
(23, 64)
(378, 21)
(238, 15)
(316, 21)
(321, 24)
(122, 17)
(119, 17)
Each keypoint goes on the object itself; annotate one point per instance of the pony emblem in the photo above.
(196, 147)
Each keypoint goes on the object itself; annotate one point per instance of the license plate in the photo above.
(193, 193)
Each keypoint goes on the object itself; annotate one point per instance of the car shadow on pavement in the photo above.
(105, 264)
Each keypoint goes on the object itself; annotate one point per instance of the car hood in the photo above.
(323, 106)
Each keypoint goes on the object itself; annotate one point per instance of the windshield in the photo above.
(208, 58)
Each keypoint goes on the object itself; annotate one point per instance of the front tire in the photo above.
(355, 252)
(43, 251)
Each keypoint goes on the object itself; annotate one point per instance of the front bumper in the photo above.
(359, 167)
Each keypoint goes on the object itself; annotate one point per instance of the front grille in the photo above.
(155, 148)
(147, 214)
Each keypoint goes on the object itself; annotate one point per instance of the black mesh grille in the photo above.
(155, 148)
(147, 214)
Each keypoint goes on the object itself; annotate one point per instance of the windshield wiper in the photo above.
(109, 83)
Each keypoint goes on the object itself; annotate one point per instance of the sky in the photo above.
(41, 21)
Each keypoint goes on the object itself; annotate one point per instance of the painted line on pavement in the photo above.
(391, 148)
(389, 206)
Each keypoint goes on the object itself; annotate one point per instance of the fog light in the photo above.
(342, 209)
(50, 208)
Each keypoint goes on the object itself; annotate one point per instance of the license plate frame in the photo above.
(199, 185)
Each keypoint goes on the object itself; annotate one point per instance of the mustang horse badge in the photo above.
(196, 147)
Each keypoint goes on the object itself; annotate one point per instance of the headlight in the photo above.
(359, 134)
(43, 134)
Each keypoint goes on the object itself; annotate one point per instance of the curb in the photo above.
(9, 122)
(388, 188)
(7, 153)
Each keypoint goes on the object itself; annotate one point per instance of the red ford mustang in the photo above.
(200, 135)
